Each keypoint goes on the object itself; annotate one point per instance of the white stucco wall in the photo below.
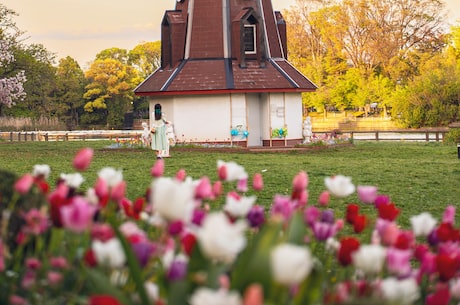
(210, 118)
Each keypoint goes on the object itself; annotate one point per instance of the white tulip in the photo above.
(41, 170)
(111, 176)
(73, 180)
(234, 171)
(339, 186)
(291, 264)
(239, 207)
(369, 258)
(404, 292)
(207, 296)
(422, 224)
(173, 199)
(220, 239)
(109, 253)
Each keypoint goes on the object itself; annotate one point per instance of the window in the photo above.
(250, 39)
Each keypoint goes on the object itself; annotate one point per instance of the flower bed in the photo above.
(199, 242)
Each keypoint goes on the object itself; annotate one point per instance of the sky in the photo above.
(82, 28)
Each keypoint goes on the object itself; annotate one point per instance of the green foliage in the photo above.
(453, 136)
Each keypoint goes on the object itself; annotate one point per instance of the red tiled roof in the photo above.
(208, 75)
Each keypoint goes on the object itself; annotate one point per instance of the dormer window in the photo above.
(249, 39)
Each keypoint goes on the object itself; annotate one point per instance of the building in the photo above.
(224, 75)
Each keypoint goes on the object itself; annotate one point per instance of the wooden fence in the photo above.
(69, 135)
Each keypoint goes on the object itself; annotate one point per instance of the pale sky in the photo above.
(83, 28)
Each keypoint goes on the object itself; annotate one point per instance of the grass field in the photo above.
(417, 176)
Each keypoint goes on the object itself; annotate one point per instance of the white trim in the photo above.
(254, 38)
(189, 29)
(267, 45)
(225, 28)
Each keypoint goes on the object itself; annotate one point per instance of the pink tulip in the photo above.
(367, 194)
(83, 159)
(54, 278)
(158, 168)
(398, 261)
(242, 185)
(23, 185)
(217, 188)
(118, 191)
(78, 215)
(257, 182)
(449, 215)
(204, 189)
(101, 189)
(254, 295)
(17, 300)
(324, 198)
(181, 174)
(300, 181)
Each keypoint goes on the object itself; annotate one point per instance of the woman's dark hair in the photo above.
(157, 112)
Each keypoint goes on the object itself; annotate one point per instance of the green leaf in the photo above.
(311, 289)
(100, 283)
(296, 230)
(253, 264)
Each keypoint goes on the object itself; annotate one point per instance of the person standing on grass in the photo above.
(158, 131)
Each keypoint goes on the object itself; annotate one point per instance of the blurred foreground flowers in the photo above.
(198, 242)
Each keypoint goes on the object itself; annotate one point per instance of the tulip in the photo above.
(240, 206)
(242, 185)
(205, 295)
(41, 170)
(256, 216)
(172, 199)
(404, 292)
(181, 174)
(324, 198)
(23, 185)
(449, 214)
(78, 215)
(158, 168)
(290, 264)
(339, 186)
(422, 224)
(348, 246)
(204, 189)
(398, 261)
(109, 253)
(103, 300)
(257, 182)
(369, 258)
(83, 158)
(220, 239)
(367, 194)
(254, 295)
(300, 181)
(230, 171)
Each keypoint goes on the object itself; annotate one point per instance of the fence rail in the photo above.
(381, 135)
(428, 135)
(69, 135)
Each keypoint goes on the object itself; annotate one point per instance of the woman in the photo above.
(158, 131)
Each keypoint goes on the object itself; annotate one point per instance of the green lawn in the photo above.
(417, 176)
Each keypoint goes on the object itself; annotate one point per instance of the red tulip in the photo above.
(348, 245)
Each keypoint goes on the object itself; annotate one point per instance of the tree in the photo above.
(146, 58)
(110, 89)
(11, 82)
(71, 84)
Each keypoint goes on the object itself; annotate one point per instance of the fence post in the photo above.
(46, 137)
(376, 135)
(19, 136)
(427, 136)
(11, 136)
(437, 136)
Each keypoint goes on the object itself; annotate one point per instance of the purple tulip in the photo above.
(256, 216)
(177, 270)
